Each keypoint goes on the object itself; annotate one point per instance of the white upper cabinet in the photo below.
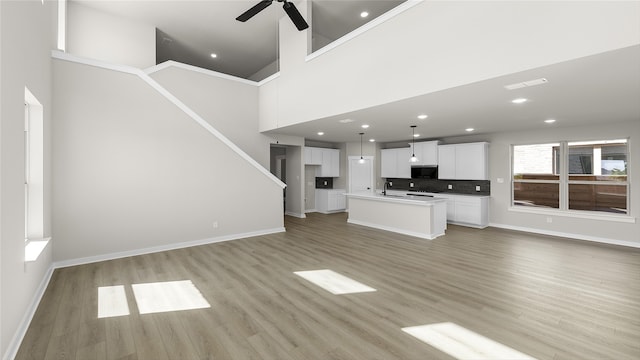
(330, 163)
(426, 152)
(387, 163)
(447, 162)
(394, 163)
(328, 159)
(463, 161)
(313, 156)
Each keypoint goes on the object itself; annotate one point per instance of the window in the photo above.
(33, 168)
(535, 177)
(580, 176)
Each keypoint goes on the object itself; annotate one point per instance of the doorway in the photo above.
(286, 163)
(361, 174)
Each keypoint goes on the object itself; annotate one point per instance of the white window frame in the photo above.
(564, 183)
(34, 239)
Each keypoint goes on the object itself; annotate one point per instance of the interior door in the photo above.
(360, 175)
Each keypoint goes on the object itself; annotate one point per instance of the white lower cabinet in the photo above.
(330, 200)
(467, 210)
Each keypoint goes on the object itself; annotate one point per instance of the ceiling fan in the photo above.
(288, 7)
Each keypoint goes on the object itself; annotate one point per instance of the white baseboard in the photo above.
(154, 249)
(393, 229)
(14, 345)
(295, 214)
(568, 235)
(331, 212)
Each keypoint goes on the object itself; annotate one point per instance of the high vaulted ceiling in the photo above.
(596, 89)
(190, 30)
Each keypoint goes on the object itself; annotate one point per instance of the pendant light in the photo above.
(361, 161)
(413, 145)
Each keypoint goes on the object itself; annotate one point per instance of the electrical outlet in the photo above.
(325, 183)
(477, 187)
(410, 184)
(215, 224)
(500, 180)
(390, 183)
(449, 186)
(549, 219)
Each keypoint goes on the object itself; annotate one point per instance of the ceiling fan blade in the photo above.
(254, 10)
(295, 16)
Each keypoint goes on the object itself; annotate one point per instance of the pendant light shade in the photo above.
(413, 145)
(361, 161)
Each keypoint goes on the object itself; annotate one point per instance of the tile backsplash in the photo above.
(442, 186)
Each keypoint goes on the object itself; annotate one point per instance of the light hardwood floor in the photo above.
(547, 297)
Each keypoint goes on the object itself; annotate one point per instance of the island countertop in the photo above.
(403, 199)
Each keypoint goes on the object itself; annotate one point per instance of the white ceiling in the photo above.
(596, 89)
(591, 90)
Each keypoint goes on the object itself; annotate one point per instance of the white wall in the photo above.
(97, 35)
(437, 45)
(229, 106)
(27, 35)
(134, 172)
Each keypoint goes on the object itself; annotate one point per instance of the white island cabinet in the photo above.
(423, 217)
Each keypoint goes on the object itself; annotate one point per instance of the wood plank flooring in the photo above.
(547, 297)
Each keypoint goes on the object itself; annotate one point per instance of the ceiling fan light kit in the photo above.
(288, 7)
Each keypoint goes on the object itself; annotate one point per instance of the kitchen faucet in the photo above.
(384, 188)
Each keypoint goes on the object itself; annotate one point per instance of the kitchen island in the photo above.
(421, 216)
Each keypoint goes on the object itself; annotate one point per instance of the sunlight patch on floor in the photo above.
(462, 343)
(333, 282)
(112, 301)
(168, 296)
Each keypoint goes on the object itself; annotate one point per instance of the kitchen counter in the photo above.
(415, 215)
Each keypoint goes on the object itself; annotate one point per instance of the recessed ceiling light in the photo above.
(519, 100)
(469, 129)
(365, 126)
(550, 121)
(364, 14)
(372, 140)
(320, 133)
(345, 121)
(214, 55)
(422, 117)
